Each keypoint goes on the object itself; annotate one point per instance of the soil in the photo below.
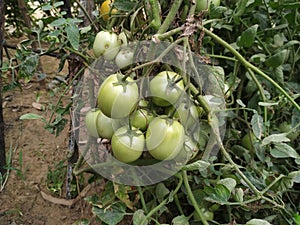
(34, 151)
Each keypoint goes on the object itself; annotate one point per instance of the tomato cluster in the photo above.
(159, 125)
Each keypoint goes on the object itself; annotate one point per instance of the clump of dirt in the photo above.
(34, 151)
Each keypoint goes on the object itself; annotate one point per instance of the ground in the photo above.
(34, 151)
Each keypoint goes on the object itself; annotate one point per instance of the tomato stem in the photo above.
(165, 201)
(170, 17)
(155, 16)
(192, 198)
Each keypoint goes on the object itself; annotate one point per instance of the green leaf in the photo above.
(275, 138)
(277, 59)
(229, 183)
(247, 37)
(81, 222)
(180, 220)
(73, 35)
(297, 219)
(199, 165)
(267, 104)
(257, 123)
(257, 222)
(161, 191)
(29, 65)
(121, 192)
(138, 217)
(124, 5)
(112, 214)
(295, 176)
(282, 150)
(219, 194)
(58, 23)
(57, 4)
(31, 116)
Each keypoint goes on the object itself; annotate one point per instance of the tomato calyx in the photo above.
(131, 132)
(122, 81)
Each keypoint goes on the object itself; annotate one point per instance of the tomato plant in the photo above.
(164, 138)
(127, 144)
(118, 96)
(106, 44)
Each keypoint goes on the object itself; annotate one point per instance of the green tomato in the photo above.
(117, 98)
(127, 145)
(188, 152)
(141, 119)
(187, 113)
(124, 58)
(106, 44)
(105, 125)
(90, 122)
(165, 89)
(205, 4)
(164, 138)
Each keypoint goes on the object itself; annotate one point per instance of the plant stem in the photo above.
(170, 17)
(248, 65)
(164, 202)
(156, 22)
(192, 198)
(142, 199)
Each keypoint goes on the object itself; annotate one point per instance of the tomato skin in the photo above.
(164, 90)
(124, 58)
(187, 113)
(90, 122)
(164, 138)
(141, 119)
(105, 9)
(117, 99)
(126, 146)
(104, 125)
(205, 4)
(106, 44)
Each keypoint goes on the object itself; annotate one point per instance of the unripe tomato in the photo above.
(117, 98)
(127, 145)
(106, 44)
(164, 138)
(205, 4)
(104, 125)
(187, 113)
(141, 119)
(105, 9)
(90, 122)
(165, 88)
(124, 58)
